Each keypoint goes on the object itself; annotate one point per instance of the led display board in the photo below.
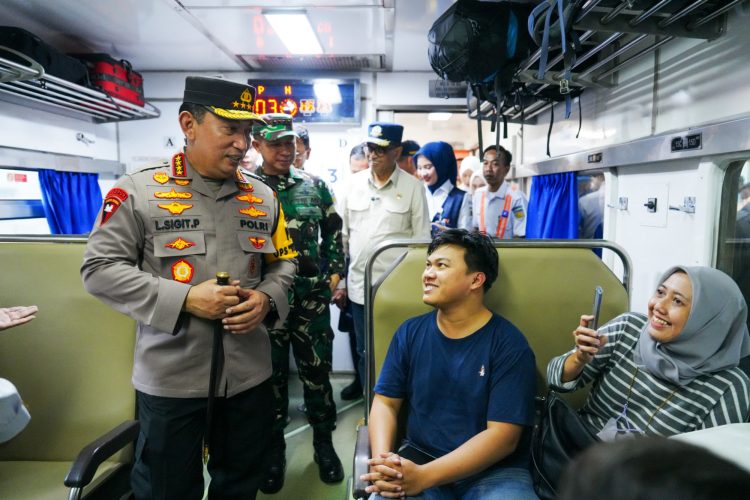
(309, 101)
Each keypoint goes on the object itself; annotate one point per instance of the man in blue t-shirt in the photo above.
(468, 378)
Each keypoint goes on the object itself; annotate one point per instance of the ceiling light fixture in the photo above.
(295, 31)
(327, 91)
(439, 117)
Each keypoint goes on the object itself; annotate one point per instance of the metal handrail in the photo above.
(627, 265)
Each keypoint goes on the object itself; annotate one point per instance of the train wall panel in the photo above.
(33, 129)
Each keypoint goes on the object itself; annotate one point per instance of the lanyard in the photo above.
(502, 223)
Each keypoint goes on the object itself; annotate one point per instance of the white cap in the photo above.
(13, 414)
(472, 163)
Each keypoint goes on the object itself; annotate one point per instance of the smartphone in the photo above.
(414, 453)
(594, 323)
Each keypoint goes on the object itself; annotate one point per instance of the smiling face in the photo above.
(426, 170)
(446, 279)
(669, 308)
(215, 146)
(277, 155)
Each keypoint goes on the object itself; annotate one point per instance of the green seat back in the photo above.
(72, 364)
(543, 291)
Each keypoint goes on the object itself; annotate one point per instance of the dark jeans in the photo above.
(358, 317)
(169, 449)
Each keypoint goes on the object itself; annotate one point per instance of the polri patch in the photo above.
(257, 242)
(518, 213)
(182, 271)
(179, 244)
(253, 212)
(161, 177)
(249, 198)
(115, 197)
(173, 195)
(175, 208)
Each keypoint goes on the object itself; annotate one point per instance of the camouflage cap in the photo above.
(276, 126)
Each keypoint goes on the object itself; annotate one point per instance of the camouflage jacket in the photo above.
(312, 221)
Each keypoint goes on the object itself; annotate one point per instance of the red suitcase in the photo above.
(116, 78)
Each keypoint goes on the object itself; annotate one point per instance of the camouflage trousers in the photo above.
(308, 331)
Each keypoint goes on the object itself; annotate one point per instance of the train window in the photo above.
(734, 225)
(591, 204)
(21, 210)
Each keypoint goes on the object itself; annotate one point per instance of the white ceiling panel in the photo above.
(153, 35)
(413, 22)
(212, 4)
(244, 30)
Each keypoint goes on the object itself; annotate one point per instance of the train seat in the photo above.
(72, 368)
(543, 287)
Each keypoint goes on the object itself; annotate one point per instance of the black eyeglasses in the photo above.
(378, 150)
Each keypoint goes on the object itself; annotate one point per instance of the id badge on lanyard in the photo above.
(502, 223)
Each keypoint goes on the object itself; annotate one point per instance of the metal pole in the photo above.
(588, 8)
(614, 54)
(217, 352)
(633, 58)
(713, 15)
(613, 13)
(647, 13)
(682, 13)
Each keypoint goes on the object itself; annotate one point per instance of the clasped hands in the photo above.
(394, 477)
(240, 310)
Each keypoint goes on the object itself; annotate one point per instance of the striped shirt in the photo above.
(708, 401)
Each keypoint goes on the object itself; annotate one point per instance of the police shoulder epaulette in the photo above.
(154, 165)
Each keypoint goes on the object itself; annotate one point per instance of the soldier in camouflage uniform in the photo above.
(309, 212)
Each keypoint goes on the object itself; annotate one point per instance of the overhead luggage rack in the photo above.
(31, 86)
(613, 34)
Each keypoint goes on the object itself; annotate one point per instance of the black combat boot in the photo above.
(273, 475)
(352, 391)
(329, 465)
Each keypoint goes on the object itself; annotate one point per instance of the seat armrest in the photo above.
(91, 457)
(361, 457)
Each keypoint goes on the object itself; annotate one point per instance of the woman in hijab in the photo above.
(673, 371)
(448, 205)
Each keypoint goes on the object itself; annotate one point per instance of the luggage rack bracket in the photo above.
(30, 86)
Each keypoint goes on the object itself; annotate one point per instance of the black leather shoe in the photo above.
(329, 465)
(352, 391)
(273, 477)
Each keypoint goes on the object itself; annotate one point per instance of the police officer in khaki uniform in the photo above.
(163, 234)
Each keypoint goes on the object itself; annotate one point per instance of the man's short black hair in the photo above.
(197, 110)
(480, 253)
(303, 134)
(501, 151)
(358, 151)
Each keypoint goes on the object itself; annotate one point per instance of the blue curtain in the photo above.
(71, 200)
(553, 207)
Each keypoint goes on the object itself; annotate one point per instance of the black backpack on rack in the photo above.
(481, 43)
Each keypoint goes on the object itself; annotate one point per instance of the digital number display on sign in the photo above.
(309, 101)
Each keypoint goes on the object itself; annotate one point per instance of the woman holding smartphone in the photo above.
(672, 371)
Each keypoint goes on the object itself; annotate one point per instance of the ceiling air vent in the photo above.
(314, 63)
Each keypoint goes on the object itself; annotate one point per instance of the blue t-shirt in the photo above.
(454, 386)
